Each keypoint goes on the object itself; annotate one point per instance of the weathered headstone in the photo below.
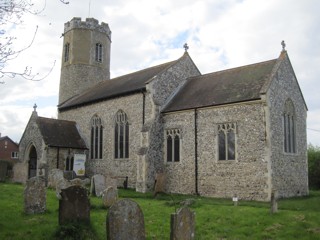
(98, 184)
(3, 170)
(35, 196)
(55, 175)
(109, 196)
(159, 183)
(62, 184)
(111, 181)
(125, 221)
(182, 224)
(74, 205)
(274, 202)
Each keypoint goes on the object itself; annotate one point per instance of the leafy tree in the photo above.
(11, 14)
(314, 166)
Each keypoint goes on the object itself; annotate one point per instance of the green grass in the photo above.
(298, 218)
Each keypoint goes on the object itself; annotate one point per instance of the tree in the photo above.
(11, 14)
(314, 166)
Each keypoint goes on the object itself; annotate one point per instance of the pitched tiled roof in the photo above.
(123, 85)
(60, 133)
(223, 87)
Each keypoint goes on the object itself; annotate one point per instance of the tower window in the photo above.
(66, 52)
(99, 52)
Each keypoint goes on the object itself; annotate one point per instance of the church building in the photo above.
(237, 132)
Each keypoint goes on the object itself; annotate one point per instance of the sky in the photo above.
(220, 35)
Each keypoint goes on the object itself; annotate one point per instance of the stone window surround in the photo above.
(96, 140)
(121, 121)
(289, 128)
(98, 52)
(235, 142)
(173, 132)
(66, 52)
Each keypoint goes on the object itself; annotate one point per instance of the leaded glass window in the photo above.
(227, 141)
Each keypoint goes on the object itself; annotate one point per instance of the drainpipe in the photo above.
(143, 107)
(58, 153)
(196, 149)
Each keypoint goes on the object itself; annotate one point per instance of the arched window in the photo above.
(289, 131)
(173, 145)
(96, 138)
(66, 52)
(98, 52)
(227, 141)
(121, 135)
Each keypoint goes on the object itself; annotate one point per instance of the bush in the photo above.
(314, 166)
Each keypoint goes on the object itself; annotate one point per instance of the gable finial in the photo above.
(283, 44)
(35, 107)
(186, 47)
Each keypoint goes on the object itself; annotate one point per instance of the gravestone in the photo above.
(182, 225)
(111, 181)
(3, 170)
(274, 202)
(109, 196)
(98, 184)
(35, 196)
(55, 175)
(74, 205)
(62, 184)
(125, 221)
(159, 183)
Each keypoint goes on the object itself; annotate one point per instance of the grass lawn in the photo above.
(298, 218)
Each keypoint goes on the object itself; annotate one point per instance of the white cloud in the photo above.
(221, 34)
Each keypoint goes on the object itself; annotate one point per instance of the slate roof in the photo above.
(60, 133)
(223, 87)
(120, 86)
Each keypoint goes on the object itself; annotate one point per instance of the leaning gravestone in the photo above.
(74, 205)
(98, 184)
(182, 225)
(109, 196)
(125, 221)
(35, 196)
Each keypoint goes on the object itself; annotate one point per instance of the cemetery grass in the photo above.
(297, 218)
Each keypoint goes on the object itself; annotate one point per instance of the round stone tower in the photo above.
(85, 56)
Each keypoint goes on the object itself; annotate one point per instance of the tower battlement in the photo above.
(90, 23)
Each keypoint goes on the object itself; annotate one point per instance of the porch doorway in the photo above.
(32, 162)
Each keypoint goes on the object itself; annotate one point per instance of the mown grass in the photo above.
(298, 218)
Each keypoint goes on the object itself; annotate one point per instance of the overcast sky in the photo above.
(220, 34)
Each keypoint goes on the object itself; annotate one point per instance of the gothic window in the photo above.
(69, 164)
(121, 135)
(96, 146)
(289, 133)
(98, 52)
(173, 145)
(66, 52)
(227, 141)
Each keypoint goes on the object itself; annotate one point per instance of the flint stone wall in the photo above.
(289, 170)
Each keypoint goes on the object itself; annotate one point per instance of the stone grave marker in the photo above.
(98, 184)
(35, 196)
(55, 175)
(62, 184)
(182, 226)
(111, 181)
(74, 205)
(109, 196)
(274, 202)
(125, 221)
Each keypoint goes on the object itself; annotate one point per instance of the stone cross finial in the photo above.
(283, 44)
(35, 107)
(186, 47)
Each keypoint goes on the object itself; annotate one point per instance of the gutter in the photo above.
(196, 149)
